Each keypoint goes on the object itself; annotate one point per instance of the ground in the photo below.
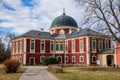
(10, 76)
(89, 73)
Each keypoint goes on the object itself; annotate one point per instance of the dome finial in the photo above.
(64, 11)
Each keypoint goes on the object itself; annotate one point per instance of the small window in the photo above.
(73, 45)
(66, 58)
(41, 57)
(51, 47)
(61, 47)
(59, 58)
(106, 44)
(81, 45)
(21, 46)
(73, 58)
(93, 58)
(93, 44)
(32, 46)
(20, 58)
(57, 47)
(81, 58)
(42, 46)
(16, 46)
(100, 45)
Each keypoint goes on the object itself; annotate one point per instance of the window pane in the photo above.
(61, 47)
(43, 46)
(51, 47)
(32, 46)
(66, 47)
(94, 45)
(57, 47)
(94, 58)
(73, 46)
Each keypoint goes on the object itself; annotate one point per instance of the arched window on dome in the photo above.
(62, 31)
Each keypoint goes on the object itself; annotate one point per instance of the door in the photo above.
(32, 61)
(110, 60)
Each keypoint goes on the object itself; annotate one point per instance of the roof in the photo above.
(85, 32)
(42, 34)
(64, 20)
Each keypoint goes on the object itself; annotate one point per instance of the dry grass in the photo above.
(10, 76)
(89, 73)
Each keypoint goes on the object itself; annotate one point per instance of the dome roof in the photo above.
(64, 20)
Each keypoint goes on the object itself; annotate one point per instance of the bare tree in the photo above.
(103, 14)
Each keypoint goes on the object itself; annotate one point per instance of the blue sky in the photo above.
(20, 16)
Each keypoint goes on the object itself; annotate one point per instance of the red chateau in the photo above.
(65, 41)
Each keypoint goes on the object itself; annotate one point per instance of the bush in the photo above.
(55, 68)
(11, 65)
(49, 60)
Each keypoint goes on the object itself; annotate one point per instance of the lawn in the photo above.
(89, 73)
(10, 76)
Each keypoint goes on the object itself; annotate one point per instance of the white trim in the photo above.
(24, 59)
(42, 51)
(81, 41)
(115, 54)
(73, 58)
(93, 50)
(66, 45)
(80, 58)
(88, 50)
(100, 41)
(32, 51)
(73, 47)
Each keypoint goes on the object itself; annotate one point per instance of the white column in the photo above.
(115, 54)
(24, 53)
(88, 51)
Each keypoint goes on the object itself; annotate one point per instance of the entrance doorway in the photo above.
(110, 60)
(32, 60)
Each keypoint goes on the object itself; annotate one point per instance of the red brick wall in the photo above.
(118, 54)
(69, 46)
(37, 46)
(47, 46)
(77, 45)
(57, 31)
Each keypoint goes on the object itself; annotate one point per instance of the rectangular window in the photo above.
(42, 45)
(59, 58)
(32, 46)
(66, 46)
(20, 46)
(81, 58)
(100, 45)
(16, 46)
(73, 58)
(93, 44)
(41, 57)
(106, 44)
(61, 47)
(57, 47)
(13, 47)
(66, 58)
(51, 47)
(81, 45)
(73, 45)
(93, 58)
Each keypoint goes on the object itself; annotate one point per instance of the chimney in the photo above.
(41, 29)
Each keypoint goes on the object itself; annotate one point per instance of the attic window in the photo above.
(39, 34)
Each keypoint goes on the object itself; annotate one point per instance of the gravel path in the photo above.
(37, 73)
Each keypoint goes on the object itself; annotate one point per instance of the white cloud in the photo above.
(39, 16)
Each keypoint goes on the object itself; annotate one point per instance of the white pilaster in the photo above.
(88, 51)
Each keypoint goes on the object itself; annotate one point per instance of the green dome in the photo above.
(64, 20)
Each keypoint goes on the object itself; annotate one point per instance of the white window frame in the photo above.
(21, 46)
(50, 46)
(80, 58)
(66, 46)
(42, 51)
(73, 58)
(81, 49)
(60, 57)
(32, 41)
(100, 43)
(73, 45)
(41, 58)
(66, 58)
(106, 44)
(93, 45)
(95, 57)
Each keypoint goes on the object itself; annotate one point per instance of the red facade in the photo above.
(117, 53)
